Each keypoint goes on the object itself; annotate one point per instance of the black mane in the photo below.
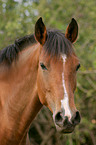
(55, 44)
(10, 53)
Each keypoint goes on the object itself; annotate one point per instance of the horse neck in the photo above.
(19, 104)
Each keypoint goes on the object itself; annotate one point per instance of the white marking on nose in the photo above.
(65, 102)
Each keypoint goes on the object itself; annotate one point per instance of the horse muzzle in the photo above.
(64, 124)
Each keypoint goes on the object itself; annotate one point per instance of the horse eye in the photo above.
(78, 67)
(43, 66)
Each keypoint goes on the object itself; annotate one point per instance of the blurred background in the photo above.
(17, 19)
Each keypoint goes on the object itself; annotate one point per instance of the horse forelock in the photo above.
(57, 44)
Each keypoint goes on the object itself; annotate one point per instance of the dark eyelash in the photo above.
(43, 66)
(78, 67)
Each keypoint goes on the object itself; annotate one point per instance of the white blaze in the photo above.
(65, 102)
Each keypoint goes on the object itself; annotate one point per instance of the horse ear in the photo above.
(72, 31)
(40, 31)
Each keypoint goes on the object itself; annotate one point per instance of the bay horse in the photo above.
(37, 70)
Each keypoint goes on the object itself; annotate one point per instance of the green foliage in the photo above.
(17, 18)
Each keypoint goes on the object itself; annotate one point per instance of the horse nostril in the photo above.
(58, 117)
(60, 120)
(76, 119)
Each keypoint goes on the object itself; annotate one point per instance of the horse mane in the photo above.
(10, 53)
(55, 45)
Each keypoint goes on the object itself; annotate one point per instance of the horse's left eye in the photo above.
(43, 66)
(78, 67)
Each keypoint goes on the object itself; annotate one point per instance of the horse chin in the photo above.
(64, 130)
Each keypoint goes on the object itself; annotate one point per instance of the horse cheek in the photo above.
(41, 90)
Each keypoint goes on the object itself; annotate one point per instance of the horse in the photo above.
(38, 69)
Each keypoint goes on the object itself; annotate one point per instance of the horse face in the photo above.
(56, 81)
(56, 86)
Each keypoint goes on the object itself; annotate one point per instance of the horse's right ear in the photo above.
(40, 31)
